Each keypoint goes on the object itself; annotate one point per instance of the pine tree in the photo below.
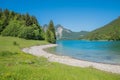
(6, 13)
(51, 28)
(34, 20)
(28, 20)
(50, 33)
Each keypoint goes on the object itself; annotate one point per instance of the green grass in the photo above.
(14, 44)
(16, 65)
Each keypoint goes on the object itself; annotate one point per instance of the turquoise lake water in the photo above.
(96, 51)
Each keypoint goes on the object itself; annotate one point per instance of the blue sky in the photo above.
(76, 15)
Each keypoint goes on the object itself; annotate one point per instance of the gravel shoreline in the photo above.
(38, 51)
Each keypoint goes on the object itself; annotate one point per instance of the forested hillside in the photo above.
(21, 25)
(110, 31)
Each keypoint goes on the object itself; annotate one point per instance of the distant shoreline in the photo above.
(39, 51)
(90, 40)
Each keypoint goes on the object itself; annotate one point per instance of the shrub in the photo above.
(15, 43)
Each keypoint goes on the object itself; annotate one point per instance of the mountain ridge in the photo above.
(110, 31)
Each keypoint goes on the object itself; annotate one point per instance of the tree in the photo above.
(47, 35)
(6, 12)
(27, 33)
(28, 20)
(20, 25)
(12, 29)
(34, 20)
(50, 33)
(52, 37)
(3, 23)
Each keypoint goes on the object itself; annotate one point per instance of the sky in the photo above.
(76, 15)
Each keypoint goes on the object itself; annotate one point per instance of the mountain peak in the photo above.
(58, 25)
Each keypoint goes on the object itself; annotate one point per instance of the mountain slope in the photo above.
(110, 31)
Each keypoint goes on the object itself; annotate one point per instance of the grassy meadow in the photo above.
(16, 65)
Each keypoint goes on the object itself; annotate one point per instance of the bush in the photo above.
(15, 43)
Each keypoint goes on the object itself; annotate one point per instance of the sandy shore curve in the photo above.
(38, 51)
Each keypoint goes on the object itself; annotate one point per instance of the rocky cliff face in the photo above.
(60, 30)
(45, 27)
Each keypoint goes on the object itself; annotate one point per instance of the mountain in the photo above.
(110, 31)
(45, 27)
(63, 33)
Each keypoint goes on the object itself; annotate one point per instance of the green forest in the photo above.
(24, 26)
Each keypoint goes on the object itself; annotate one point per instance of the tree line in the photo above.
(24, 26)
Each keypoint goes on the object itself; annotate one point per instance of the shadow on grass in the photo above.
(7, 53)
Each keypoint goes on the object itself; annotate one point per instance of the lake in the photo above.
(95, 51)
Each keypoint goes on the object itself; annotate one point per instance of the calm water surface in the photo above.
(97, 51)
